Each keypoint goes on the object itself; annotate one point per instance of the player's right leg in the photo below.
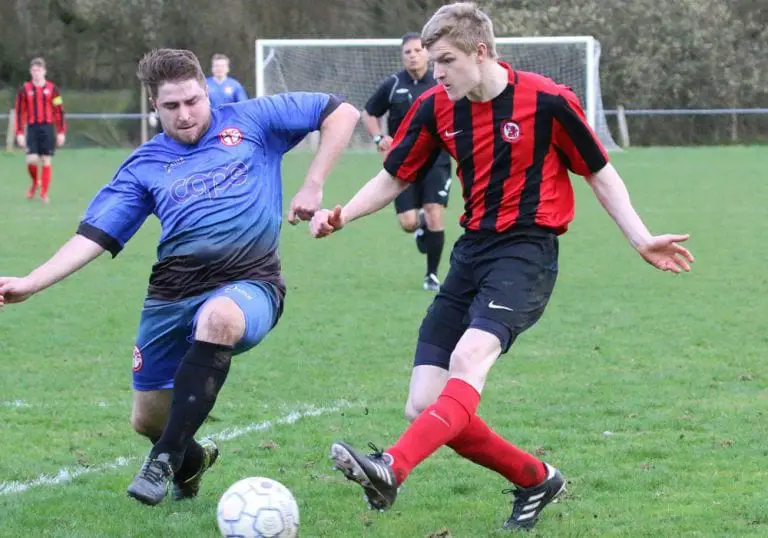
(227, 321)
(447, 318)
(161, 344)
(435, 190)
(33, 159)
(491, 332)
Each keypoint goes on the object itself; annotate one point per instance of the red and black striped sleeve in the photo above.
(20, 109)
(574, 137)
(57, 103)
(416, 145)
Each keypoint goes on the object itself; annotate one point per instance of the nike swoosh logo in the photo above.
(451, 134)
(499, 307)
(438, 417)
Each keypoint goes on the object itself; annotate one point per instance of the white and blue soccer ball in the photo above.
(258, 507)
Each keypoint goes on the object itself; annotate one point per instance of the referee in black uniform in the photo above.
(421, 207)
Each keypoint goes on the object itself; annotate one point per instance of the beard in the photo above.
(189, 136)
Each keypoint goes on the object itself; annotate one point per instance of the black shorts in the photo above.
(499, 283)
(41, 139)
(434, 189)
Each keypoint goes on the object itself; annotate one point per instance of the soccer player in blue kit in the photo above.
(213, 179)
(223, 89)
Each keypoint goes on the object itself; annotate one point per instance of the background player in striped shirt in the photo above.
(223, 89)
(515, 136)
(38, 108)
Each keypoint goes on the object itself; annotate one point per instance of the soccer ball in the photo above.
(258, 507)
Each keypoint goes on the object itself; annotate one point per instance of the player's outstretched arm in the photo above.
(75, 254)
(335, 133)
(662, 251)
(373, 196)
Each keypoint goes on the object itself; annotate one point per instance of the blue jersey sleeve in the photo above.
(289, 117)
(117, 212)
(240, 94)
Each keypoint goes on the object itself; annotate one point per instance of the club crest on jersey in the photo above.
(138, 360)
(510, 131)
(231, 136)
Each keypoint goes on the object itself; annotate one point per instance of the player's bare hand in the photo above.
(21, 141)
(306, 202)
(15, 290)
(60, 139)
(666, 253)
(384, 144)
(325, 222)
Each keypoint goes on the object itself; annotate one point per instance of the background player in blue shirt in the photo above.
(213, 179)
(223, 89)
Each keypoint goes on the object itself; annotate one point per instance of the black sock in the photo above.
(197, 383)
(422, 221)
(193, 459)
(433, 241)
(192, 462)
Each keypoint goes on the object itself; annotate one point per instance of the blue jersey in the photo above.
(225, 92)
(219, 201)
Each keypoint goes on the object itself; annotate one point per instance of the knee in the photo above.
(415, 405)
(465, 361)
(433, 214)
(221, 322)
(409, 225)
(145, 425)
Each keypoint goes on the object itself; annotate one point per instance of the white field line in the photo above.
(14, 403)
(67, 474)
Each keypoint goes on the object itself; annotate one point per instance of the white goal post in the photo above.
(356, 67)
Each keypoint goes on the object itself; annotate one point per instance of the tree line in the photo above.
(655, 53)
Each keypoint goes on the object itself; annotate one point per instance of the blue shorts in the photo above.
(167, 328)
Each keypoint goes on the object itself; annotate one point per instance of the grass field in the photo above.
(647, 390)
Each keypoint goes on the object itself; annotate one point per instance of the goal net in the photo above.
(355, 68)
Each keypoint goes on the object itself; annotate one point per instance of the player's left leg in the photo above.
(517, 278)
(232, 320)
(47, 149)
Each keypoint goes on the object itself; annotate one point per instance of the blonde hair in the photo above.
(463, 24)
(219, 56)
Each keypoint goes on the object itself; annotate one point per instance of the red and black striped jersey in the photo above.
(39, 105)
(513, 152)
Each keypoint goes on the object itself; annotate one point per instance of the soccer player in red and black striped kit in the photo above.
(38, 108)
(515, 136)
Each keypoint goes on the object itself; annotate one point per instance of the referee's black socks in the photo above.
(433, 243)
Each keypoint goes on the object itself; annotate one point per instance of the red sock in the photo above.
(46, 180)
(435, 426)
(32, 169)
(480, 444)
